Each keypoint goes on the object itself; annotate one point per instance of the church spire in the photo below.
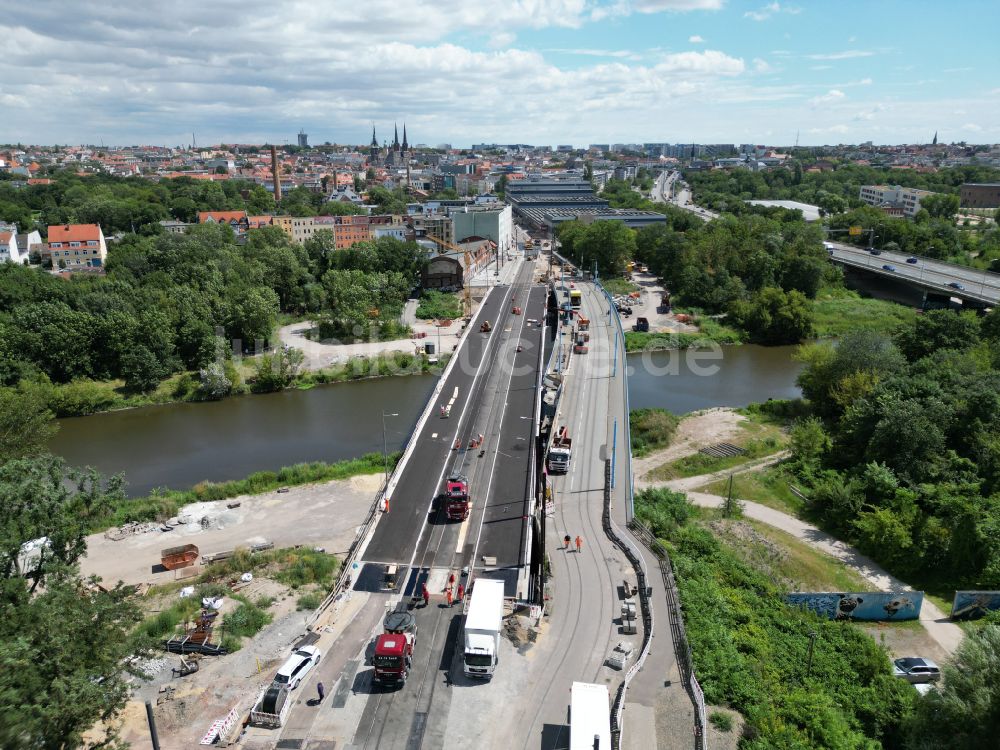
(395, 137)
(405, 145)
(933, 143)
(374, 142)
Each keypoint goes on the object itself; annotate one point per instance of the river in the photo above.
(179, 445)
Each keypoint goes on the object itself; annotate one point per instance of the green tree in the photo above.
(809, 442)
(277, 370)
(26, 423)
(964, 711)
(936, 330)
(940, 206)
(773, 316)
(251, 314)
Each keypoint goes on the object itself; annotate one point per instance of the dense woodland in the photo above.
(902, 455)
(184, 302)
(760, 269)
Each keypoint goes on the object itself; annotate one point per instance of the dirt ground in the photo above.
(906, 639)
(695, 431)
(648, 306)
(286, 519)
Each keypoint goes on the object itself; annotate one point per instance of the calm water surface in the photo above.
(178, 445)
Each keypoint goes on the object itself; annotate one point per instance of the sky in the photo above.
(500, 71)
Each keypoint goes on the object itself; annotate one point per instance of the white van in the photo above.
(297, 666)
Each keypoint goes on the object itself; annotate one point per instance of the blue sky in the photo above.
(530, 71)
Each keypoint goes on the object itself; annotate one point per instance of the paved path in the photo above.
(938, 626)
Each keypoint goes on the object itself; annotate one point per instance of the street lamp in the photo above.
(385, 450)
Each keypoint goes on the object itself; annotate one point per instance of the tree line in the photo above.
(760, 270)
(182, 302)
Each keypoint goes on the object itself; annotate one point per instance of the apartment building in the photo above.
(236, 220)
(75, 247)
(894, 197)
(980, 195)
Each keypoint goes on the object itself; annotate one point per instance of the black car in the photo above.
(911, 260)
(874, 251)
(956, 285)
(887, 267)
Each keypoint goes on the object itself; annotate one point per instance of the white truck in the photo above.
(589, 717)
(560, 452)
(483, 621)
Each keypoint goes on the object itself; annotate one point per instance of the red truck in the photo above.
(394, 648)
(456, 498)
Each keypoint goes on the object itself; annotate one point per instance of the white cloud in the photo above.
(972, 127)
(761, 66)
(502, 39)
(766, 11)
(845, 55)
(820, 67)
(695, 39)
(594, 52)
(833, 95)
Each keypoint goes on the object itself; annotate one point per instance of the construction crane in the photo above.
(466, 276)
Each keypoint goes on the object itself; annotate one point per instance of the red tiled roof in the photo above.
(39, 181)
(220, 216)
(5, 236)
(74, 232)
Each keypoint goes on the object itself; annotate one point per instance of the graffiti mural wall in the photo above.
(865, 605)
(969, 605)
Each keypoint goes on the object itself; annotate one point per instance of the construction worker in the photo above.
(579, 543)
(461, 592)
(448, 596)
(566, 541)
(425, 594)
(321, 690)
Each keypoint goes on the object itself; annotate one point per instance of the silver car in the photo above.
(916, 669)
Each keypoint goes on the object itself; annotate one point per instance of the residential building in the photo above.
(980, 195)
(8, 246)
(347, 230)
(894, 197)
(236, 220)
(303, 227)
(434, 225)
(28, 244)
(172, 226)
(75, 247)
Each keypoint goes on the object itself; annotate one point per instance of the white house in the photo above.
(8, 246)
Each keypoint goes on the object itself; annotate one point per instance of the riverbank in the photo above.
(86, 397)
(163, 504)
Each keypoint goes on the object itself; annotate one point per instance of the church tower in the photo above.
(373, 149)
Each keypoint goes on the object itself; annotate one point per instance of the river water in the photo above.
(179, 445)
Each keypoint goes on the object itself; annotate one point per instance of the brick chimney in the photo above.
(276, 174)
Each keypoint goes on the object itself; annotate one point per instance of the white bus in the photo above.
(589, 717)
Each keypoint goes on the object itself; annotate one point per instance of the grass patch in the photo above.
(619, 285)
(761, 435)
(789, 562)
(837, 311)
(309, 601)
(721, 721)
(698, 463)
(438, 305)
(768, 487)
(711, 332)
(162, 504)
(651, 430)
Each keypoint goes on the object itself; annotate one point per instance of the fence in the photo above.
(682, 649)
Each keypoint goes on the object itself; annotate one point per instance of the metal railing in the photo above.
(682, 649)
(618, 705)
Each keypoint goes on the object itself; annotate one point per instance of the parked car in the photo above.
(911, 260)
(916, 669)
(956, 285)
(887, 267)
(297, 666)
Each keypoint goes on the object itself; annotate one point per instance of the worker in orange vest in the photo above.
(449, 596)
(461, 592)
(579, 543)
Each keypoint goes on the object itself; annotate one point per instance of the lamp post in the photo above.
(385, 450)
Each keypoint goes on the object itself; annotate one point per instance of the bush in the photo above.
(246, 621)
(721, 721)
(309, 601)
(308, 566)
(662, 510)
(651, 429)
(439, 305)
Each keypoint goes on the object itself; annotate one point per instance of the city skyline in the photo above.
(546, 73)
